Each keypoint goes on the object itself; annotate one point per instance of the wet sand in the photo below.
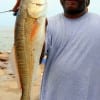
(9, 89)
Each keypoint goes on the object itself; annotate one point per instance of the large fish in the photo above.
(29, 40)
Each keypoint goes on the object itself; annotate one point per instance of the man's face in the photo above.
(73, 6)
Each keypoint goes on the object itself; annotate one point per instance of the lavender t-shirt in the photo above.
(72, 70)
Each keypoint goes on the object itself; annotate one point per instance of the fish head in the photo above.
(37, 8)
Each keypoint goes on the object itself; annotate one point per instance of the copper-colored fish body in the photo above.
(29, 40)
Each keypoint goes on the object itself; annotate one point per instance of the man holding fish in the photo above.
(72, 47)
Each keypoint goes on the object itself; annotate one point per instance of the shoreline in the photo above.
(9, 89)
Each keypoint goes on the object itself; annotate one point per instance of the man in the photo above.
(72, 70)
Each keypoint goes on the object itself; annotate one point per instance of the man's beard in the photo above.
(79, 10)
(71, 12)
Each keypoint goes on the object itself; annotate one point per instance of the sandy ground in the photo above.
(9, 89)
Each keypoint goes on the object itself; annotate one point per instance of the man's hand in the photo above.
(16, 7)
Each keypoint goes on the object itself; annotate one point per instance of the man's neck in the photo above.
(76, 15)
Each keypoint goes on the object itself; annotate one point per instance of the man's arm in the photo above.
(43, 49)
(42, 53)
(16, 6)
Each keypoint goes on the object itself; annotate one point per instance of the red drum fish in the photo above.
(28, 41)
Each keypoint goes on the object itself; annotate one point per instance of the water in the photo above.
(6, 40)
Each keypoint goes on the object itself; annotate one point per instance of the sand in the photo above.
(9, 88)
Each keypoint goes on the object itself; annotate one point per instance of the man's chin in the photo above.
(73, 12)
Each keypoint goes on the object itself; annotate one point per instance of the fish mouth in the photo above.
(39, 4)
